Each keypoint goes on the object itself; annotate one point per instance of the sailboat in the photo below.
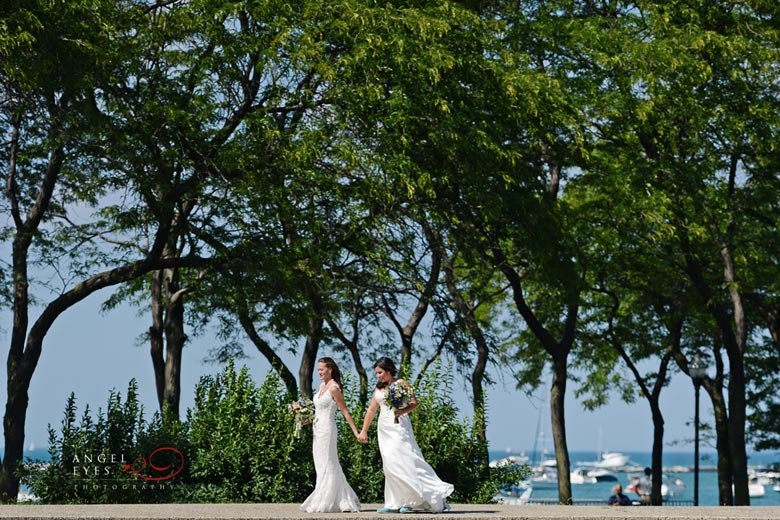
(544, 475)
(601, 469)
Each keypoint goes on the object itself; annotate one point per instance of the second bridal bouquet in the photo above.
(398, 395)
(303, 410)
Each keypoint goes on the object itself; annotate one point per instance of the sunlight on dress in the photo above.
(409, 480)
(332, 493)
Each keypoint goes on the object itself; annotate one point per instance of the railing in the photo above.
(600, 502)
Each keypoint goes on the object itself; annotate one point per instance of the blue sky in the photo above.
(90, 353)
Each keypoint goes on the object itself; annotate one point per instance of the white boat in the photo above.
(765, 476)
(669, 487)
(612, 459)
(776, 487)
(544, 479)
(580, 476)
(609, 460)
(515, 495)
(755, 490)
(602, 475)
(509, 459)
(672, 487)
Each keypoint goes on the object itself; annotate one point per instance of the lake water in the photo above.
(708, 480)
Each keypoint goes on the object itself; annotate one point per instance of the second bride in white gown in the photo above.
(410, 482)
(332, 493)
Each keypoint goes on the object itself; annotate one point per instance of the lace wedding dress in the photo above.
(332, 493)
(409, 480)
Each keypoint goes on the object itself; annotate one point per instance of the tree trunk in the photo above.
(13, 424)
(715, 391)
(558, 419)
(733, 338)
(465, 310)
(477, 380)
(273, 358)
(175, 338)
(312, 347)
(167, 336)
(157, 337)
(654, 399)
(737, 450)
(21, 363)
(16, 384)
(656, 464)
(408, 331)
(736, 347)
(559, 352)
(736, 344)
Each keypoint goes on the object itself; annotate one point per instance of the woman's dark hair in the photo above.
(386, 364)
(335, 373)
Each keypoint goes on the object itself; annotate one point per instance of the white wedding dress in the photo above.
(332, 493)
(409, 480)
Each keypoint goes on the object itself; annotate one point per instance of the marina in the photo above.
(678, 472)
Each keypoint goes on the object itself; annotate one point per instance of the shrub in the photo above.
(242, 442)
(100, 460)
(238, 445)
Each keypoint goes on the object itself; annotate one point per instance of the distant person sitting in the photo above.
(619, 499)
(644, 486)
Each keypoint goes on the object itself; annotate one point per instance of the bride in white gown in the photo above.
(332, 493)
(410, 482)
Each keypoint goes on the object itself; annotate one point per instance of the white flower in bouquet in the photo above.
(303, 412)
(399, 395)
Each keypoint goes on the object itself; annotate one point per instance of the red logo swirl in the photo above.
(140, 463)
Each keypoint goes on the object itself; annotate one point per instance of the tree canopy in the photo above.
(578, 189)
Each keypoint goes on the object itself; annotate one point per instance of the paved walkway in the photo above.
(291, 512)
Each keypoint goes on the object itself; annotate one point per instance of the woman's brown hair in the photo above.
(335, 373)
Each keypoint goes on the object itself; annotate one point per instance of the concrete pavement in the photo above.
(471, 512)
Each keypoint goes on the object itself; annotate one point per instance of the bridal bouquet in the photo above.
(398, 395)
(303, 412)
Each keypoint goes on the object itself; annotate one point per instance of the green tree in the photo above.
(52, 56)
(678, 116)
(206, 75)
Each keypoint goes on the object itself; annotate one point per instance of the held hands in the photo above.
(362, 437)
